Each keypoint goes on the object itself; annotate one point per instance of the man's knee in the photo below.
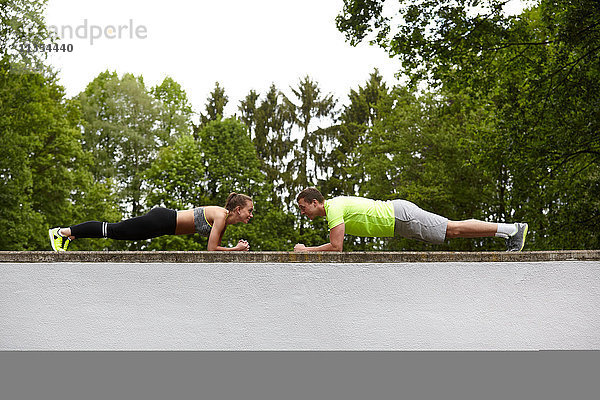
(453, 230)
(450, 230)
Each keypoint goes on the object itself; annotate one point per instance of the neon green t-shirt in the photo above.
(362, 217)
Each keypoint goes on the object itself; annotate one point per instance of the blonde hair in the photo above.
(236, 199)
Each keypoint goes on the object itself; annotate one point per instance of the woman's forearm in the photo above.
(221, 248)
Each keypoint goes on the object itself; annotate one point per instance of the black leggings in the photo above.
(157, 222)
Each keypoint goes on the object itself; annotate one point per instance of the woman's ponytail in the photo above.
(236, 199)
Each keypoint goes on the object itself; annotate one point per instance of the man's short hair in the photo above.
(310, 194)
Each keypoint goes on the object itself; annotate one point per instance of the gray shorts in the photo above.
(415, 223)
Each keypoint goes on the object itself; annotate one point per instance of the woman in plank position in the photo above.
(209, 221)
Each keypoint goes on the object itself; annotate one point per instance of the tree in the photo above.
(230, 161)
(247, 109)
(232, 165)
(45, 179)
(356, 119)
(174, 111)
(100, 124)
(201, 172)
(539, 72)
(22, 25)
(309, 108)
(215, 105)
(174, 180)
(19, 222)
(270, 127)
(119, 121)
(432, 37)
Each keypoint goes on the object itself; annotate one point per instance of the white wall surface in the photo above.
(408, 306)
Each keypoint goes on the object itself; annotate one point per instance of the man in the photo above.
(359, 216)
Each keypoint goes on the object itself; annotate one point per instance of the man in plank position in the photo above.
(359, 216)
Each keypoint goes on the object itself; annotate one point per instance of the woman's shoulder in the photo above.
(215, 208)
(215, 211)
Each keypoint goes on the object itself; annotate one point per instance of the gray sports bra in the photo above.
(202, 226)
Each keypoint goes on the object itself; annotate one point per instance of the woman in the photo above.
(209, 221)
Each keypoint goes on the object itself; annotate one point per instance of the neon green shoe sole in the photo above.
(58, 242)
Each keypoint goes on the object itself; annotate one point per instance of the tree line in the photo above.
(498, 121)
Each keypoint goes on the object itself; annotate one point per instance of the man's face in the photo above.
(308, 209)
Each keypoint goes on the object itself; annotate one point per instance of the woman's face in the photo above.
(245, 212)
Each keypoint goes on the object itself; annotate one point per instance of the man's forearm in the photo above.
(325, 247)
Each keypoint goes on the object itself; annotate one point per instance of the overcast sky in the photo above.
(241, 44)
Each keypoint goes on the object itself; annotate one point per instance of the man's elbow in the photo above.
(337, 246)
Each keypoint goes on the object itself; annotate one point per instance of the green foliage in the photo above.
(291, 164)
(232, 165)
(175, 177)
(271, 228)
(420, 149)
(119, 122)
(499, 121)
(203, 172)
(230, 160)
(21, 24)
(174, 111)
(18, 121)
(535, 77)
(215, 105)
(174, 181)
(309, 108)
(356, 121)
(270, 125)
(359, 17)
(45, 177)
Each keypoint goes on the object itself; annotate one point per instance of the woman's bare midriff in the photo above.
(185, 222)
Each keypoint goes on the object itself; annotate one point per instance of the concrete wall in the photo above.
(300, 306)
